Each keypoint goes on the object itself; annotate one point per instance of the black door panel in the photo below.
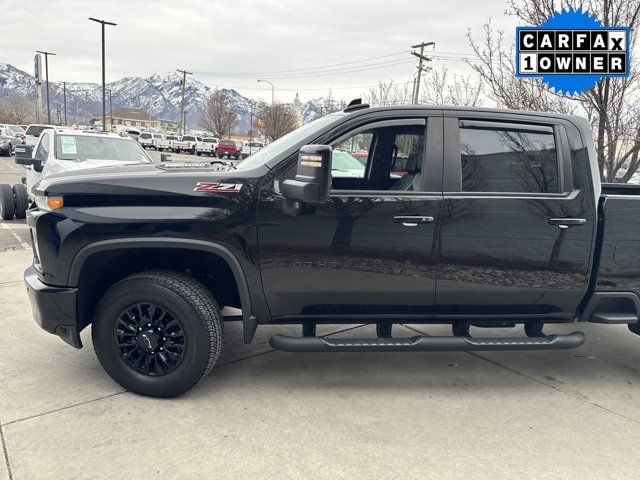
(349, 257)
(354, 254)
(522, 252)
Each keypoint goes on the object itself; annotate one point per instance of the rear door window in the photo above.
(508, 160)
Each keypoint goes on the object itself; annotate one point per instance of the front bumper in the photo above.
(54, 308)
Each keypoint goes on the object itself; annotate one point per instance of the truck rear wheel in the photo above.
(157, 333)
(21, 200)
(7, 203)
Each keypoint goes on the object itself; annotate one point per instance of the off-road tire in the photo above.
(188, 301)
(7, 203)
(21, 200)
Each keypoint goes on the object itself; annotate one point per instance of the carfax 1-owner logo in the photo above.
(572, 51)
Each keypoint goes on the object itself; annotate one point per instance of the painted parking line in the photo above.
(15, 235)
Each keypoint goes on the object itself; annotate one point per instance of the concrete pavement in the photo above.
(265, 414)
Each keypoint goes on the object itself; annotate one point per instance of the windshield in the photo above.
(284, 143)
(209, 140)
(79, 147)
(145, 135)
(36, 130)
(16, 129)
(341, 161)
(188, 139)
(171, 137)
(227, 142)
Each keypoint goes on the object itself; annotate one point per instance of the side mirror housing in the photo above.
(24, 155)
(313, 175)
(165, 157)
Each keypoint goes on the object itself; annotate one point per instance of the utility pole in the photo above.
(110, 108)
(421, 58)
(184, 83)
(46, 69)
(104, 101)
(64, 94)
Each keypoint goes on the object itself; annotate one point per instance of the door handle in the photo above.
(412, 220)
(567, 222)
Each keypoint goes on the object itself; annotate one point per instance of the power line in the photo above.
(302, 69)
(316, 73)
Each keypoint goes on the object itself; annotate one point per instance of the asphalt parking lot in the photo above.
(267, 414)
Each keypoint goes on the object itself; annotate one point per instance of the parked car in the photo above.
(6, 144)
(32, 133)
(187, 143)
(64, 150)
(8, 141)
(13, 131)
(251, 147)
(130, 132)
(207, 146)
(281, 238)
(145, 140)
(166, 142)
(229, 148)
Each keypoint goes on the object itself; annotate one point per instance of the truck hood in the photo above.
(151, 183)
(72, 166)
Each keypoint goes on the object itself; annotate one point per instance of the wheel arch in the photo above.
(89, 251)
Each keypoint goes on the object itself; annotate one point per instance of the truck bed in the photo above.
(618, 266)
(620, 189)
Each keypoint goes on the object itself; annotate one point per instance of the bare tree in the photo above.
(218, 113)
(276, 121)
(16, 110)
(389, 93)
(442, 89)
(612, 107)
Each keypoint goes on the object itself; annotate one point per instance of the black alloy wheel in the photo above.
(149, 339)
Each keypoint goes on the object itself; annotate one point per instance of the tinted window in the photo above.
(387, 158)
(36, 130)
(188, 139)
(229, 143)
(171, 137)
(495, 160)
(145, 135)
(209, 140)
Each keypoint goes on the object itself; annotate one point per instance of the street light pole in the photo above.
(46, 69)
(110, 109)
(272, 90)
(64, 93)
(104, 100)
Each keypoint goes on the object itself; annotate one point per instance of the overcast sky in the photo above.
(233, 43)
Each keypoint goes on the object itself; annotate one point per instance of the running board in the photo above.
(424, 344)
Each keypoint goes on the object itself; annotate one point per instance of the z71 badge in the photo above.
(218, 187)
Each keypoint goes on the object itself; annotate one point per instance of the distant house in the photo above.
(136, 117)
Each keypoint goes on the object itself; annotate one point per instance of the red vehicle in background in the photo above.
(230, 149)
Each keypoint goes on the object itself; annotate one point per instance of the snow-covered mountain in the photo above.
(158, 94)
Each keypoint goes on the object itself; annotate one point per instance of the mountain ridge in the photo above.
(157, 94)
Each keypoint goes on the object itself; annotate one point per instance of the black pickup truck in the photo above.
(468, 217)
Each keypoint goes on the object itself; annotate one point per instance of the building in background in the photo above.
(136, 117)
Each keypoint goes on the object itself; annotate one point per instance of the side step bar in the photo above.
(424, 344)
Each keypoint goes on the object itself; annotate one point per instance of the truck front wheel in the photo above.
(157, 333)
